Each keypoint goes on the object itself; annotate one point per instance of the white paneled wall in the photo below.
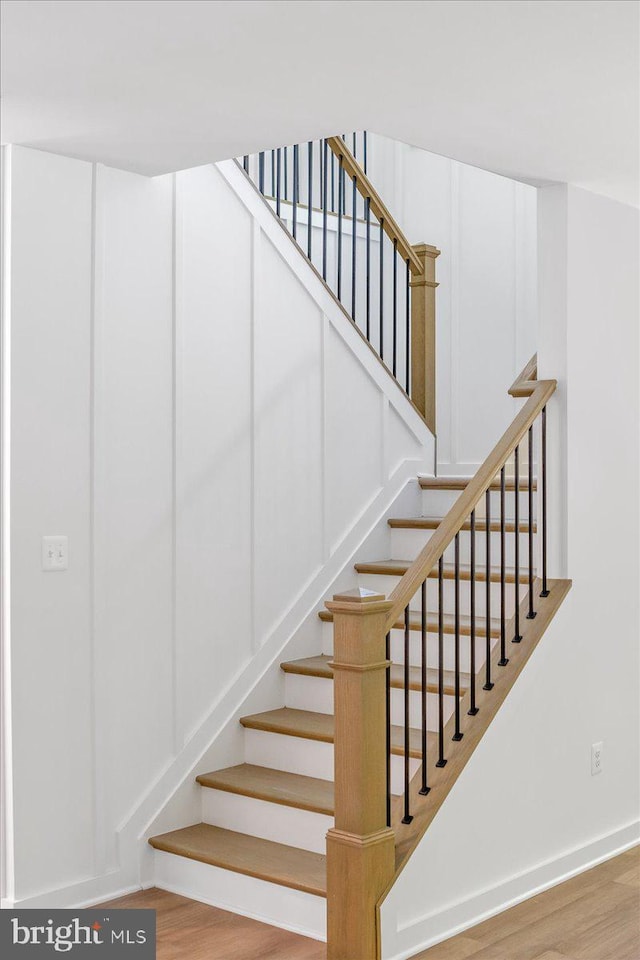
(50, 482)
(132, 488)
(193, 410)
(485, 226)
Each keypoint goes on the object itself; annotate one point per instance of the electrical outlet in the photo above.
(55, 553)
(596, 758)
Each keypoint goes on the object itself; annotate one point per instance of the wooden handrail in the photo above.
(522, 381)
(366, 189)
(538, 392)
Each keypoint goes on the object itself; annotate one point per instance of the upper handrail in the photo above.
(538, 392)
(379, 209)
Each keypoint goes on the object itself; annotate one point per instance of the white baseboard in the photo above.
(75, 896)
(432, 928)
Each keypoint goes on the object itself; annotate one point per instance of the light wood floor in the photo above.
(595, 916)
(189, 930)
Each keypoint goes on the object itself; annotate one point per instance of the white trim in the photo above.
(6, 738)
(460, 916)
(76, 896)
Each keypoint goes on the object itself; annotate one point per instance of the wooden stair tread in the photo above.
(432, 523)
(460, 483)
(274, 786)
(396, 568)
(415, 623)
(320, 726)
(320, 666)
(252, 856)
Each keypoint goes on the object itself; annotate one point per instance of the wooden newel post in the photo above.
(360, 848)
(423, 334)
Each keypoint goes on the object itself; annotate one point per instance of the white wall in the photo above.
(193, 410)
(485, 226)
(526, 811)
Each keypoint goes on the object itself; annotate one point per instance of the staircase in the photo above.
(340, 780)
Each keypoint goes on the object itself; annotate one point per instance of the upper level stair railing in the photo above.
(322, 193)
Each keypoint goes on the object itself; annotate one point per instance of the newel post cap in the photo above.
(359, 602)
(426, 250)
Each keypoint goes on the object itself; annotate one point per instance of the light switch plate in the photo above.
(55, 554)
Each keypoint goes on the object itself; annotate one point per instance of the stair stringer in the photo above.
(407, 449)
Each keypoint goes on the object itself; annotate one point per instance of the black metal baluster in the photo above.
(517, 636)
(367, 214)
(273, 173)
(296, 189)
(355, 146)
(457, 735)
(407, 730)
(488, 685)
(320, 166)
(261, 172)
(333, 182)
(388, 711)
(395, 306)
(278, 174)
(531, 614)
(503, 661)
(543, 465)
(364, 150)
(473, 709)
(407, 308)
(245, 162)
(353, 251)
(424, 789)
(324, 211)
(441, 760)
(309, 195)
(381, 350)
(286, 173)
(340, 209)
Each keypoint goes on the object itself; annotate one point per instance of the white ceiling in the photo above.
(541, 91)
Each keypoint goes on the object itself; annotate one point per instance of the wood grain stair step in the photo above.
(396, 568)
(320, 666)
(460, 483)
(415, 623)
(432, 523)
(320, 726)
(264, 859)
(274, 786)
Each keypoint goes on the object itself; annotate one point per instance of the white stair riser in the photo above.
(437, 503)
(316, 693)
(271, 821)
(312, 758)
(415, 708)
(281, 906)
(407, 543)
(386, 584)
(308, 693)
(415, 650)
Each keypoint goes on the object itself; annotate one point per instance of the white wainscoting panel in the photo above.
(192, 408)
